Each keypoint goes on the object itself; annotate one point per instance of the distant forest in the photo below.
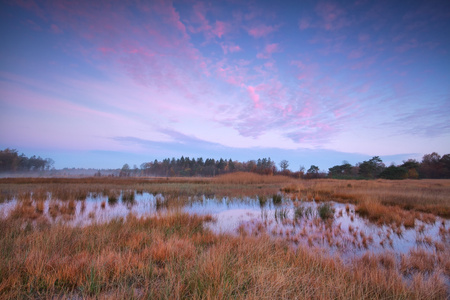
(432, 166)
(11, 161)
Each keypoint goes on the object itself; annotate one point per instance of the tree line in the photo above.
(11, 161)
(186, 166)
(432, 166)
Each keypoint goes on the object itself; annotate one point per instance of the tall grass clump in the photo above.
(262, 201)
(160, 202)
(112, 199)
(276, 199)
(281, 214)
(326, 211)
(299, 212)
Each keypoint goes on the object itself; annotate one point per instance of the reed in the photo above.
(174, 255)
(326, 211)
(276, 199)
(299, 212)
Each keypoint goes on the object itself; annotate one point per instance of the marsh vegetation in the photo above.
(238, 235)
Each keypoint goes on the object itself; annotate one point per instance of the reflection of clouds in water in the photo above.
(346, 234)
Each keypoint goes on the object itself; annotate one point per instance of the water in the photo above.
(345, 233)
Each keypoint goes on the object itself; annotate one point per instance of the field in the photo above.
(173, 238)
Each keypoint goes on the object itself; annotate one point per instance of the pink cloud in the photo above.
(363, 37)
(55, 29)
(200, 23)
(261, 30)
(356, 53)
(106, 50)
(304, 24)
(32, 6)
(171, 16)
(33, 25)
(365, 63)
(230, 48)
(407, 46)
(268, 51)
(333, 17)
(152, 52)
(254, 96)
(220, 29)
(199, 17)
(234, 74)
(270, 65)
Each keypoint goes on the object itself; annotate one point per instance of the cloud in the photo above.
(230, 48)
(261, 30)
(431, 121)
(254, 96)
(304, 23)
(220, 28)
(333, 17)
(407, 46)
(268, 51)
(55, 29)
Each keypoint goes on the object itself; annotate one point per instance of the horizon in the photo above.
(99, 85)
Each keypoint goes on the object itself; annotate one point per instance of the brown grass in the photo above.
(173, 256)
(251, 178)
(382, 201)
(423, 196)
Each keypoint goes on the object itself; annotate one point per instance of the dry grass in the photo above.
(173, 256)
(252, 178)
(383, 201)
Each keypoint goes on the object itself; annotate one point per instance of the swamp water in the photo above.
(338, 231)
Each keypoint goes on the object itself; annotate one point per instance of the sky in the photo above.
(103, 83)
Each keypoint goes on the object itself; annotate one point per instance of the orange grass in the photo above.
(252, 178)
(427, 197)
(174, 256)
(382, 201)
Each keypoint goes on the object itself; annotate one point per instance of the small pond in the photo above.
(341, 231)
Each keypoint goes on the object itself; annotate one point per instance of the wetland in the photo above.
(239, 235)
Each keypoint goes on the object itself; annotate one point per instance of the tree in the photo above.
(125, 171)
(445, 162)
(284, 164)
(313, 170)
(431, 166)
(344, 169)
(11, 161)
(49, 163)
(371, 168)
(412, 167)
(394, 172)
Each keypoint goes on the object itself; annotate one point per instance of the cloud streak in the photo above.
(254, 75)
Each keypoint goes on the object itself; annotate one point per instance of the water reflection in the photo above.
(334, 227)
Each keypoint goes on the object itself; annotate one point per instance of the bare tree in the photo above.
(284, 164)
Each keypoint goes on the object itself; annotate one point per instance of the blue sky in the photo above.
(103, 83)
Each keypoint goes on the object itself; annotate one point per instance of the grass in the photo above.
(382, 200)
(299, 212)
(326, 211)
(174, 256)
(276, 199)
